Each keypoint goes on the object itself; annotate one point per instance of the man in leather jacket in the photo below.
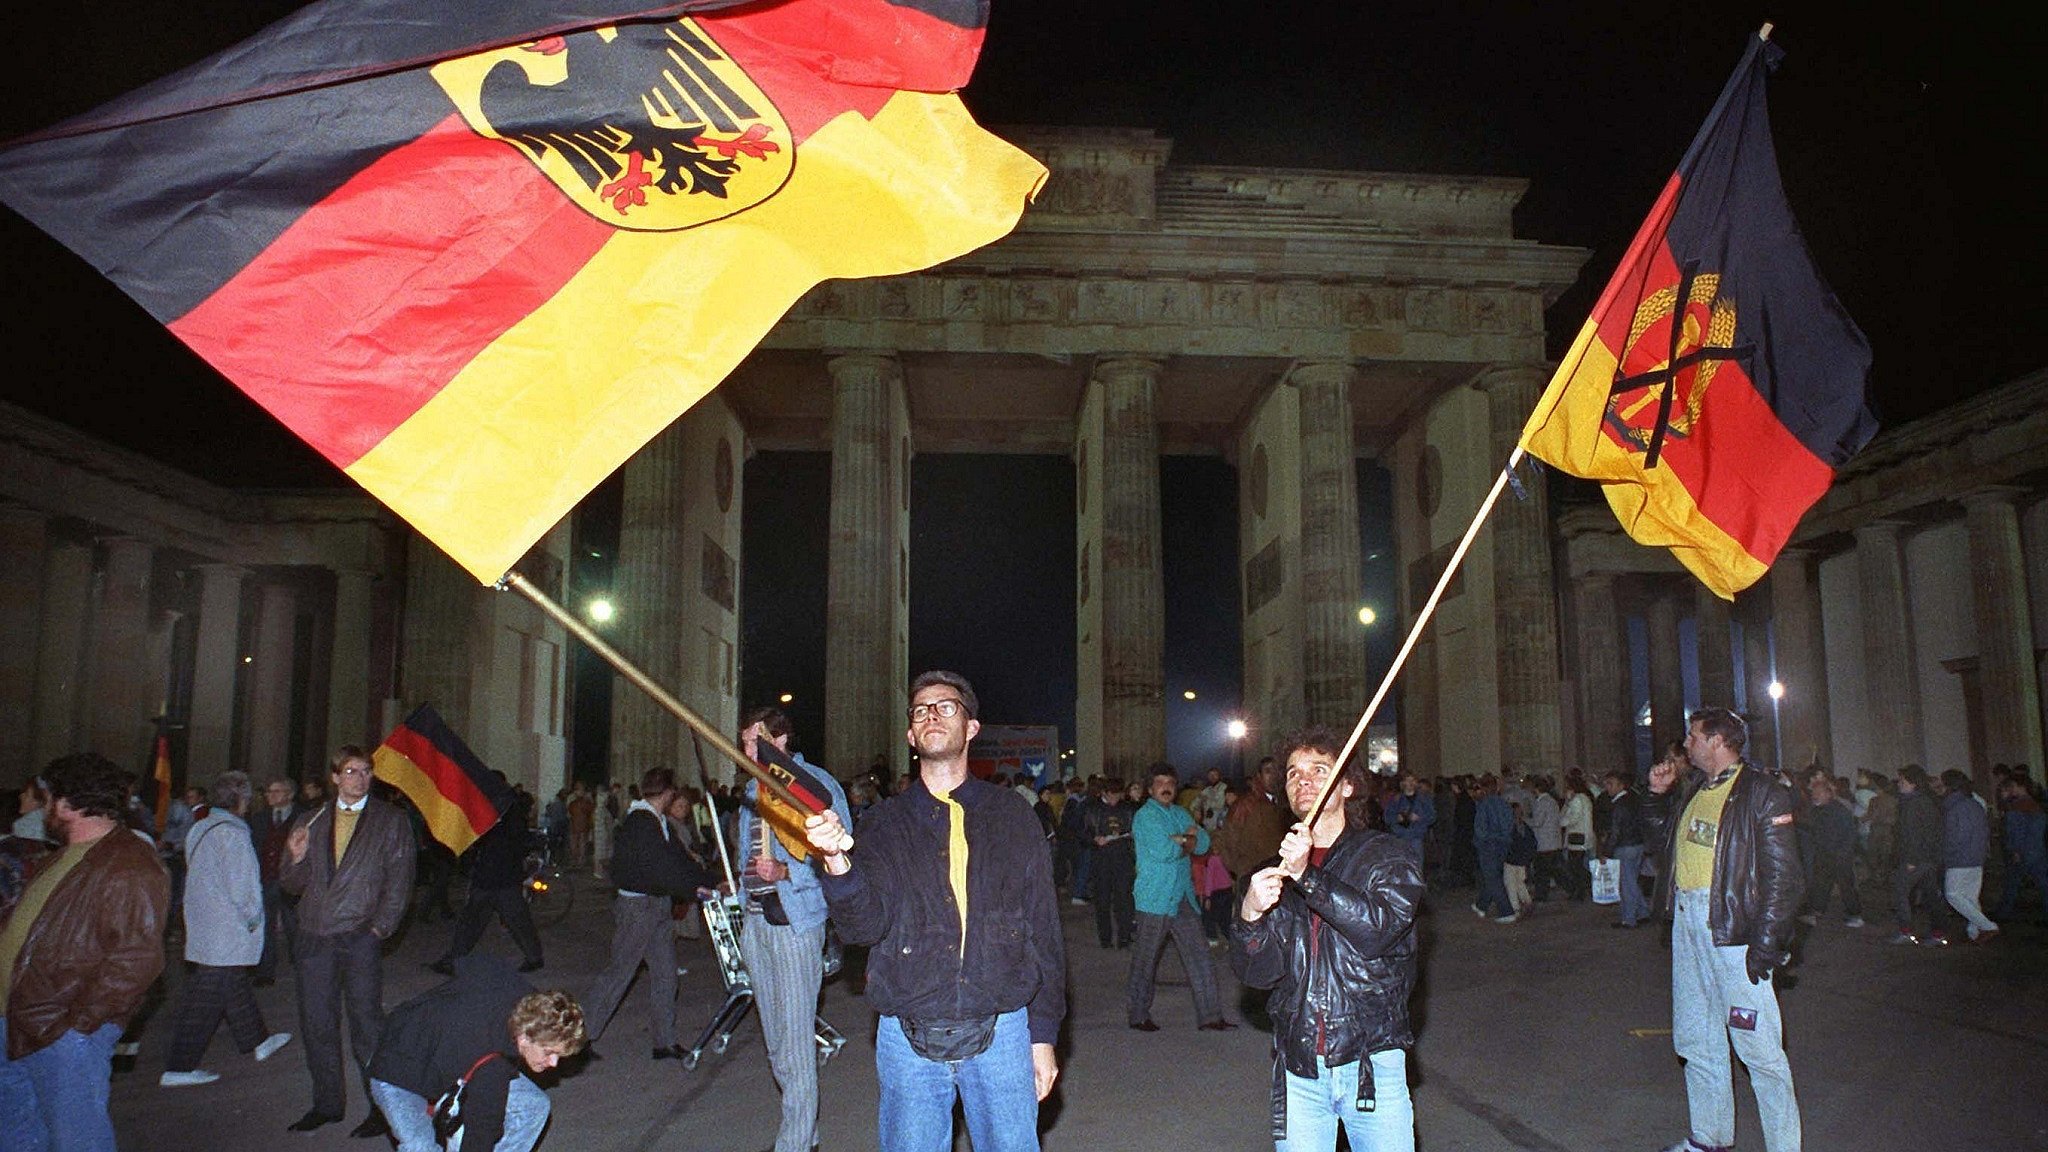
(1733, 888)
(1337, 946)
(77, 954)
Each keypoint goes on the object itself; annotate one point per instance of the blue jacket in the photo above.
(1965, 832)
(803, 896)
(1493, 824)
(1421, 810)
(1165, 879)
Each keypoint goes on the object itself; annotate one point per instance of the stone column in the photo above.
(122, 699)
(1716, 648)
(864, 699)
(648, 586)
(1891, 674)
(1667, 666)
(1604, 715)
(348, 677)
(267, 729)
(1802, 666)
(60, 651)
(1333, 642)
(217, 652)
(23, 537)
(2006, 676)
(1524, 604)
(1124, 393)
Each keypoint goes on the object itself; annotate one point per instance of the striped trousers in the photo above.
(787, 965)
(211, 994)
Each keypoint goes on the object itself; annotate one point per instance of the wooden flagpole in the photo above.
(661, 696)
(1414, 634)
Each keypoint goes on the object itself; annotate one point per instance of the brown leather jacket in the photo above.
(96, 948)
(370, 886)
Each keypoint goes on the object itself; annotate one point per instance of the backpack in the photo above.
(1521, 845)
(448, 1119)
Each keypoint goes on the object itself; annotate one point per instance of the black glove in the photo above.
(1759, 963)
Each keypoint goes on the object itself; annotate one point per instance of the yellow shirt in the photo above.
(956, 857)
(344, 829)
(1698, 831)
(29, 907)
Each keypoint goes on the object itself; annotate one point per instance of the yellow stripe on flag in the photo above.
(656, 320)
(1653, 506)
(447, 821)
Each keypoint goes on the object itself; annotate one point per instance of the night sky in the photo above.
(1906, 134)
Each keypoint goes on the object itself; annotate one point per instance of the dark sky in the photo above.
(1909, 136)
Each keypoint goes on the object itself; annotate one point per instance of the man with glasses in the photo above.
(1331, 930)
(968, 968)
(350, 863)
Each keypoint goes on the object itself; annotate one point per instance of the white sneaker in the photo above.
(187, 1079)
(271, 1044)
(1505, 919)
(1853, 922)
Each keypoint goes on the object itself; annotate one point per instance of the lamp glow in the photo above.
(1367, 616)
(1237, 729)
(601, 610)
(1776, 691)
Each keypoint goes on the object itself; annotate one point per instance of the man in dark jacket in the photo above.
(952, 886)
(1827, 841)
(486, 1028)
(652, 870)
(350, 863)
(1624, 842)
(1916, 878)
(82, 946)
(497, 887)
(1733, 890)
(1337, 946)
(270, 825)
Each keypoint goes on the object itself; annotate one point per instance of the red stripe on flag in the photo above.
(448, 777)
(1746, 471)
(369, 303)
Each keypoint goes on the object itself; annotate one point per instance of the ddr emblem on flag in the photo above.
(1718, 384)
(478, 254)
(459, 797)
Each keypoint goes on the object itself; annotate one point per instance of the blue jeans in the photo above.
(55, 1099)
(412, 1125)
(996, 1089)
(1315, 1107)
(1714, 1007)
(1493, 892)
(1635, 907)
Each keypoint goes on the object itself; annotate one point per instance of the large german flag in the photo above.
(1718, 383)
(460, 797)
(477, 254)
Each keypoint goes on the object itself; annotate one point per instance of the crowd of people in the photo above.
(966, 966)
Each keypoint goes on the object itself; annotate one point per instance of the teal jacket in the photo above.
(1165, 881)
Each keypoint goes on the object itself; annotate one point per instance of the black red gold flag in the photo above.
(460, 798)
(478, 254)
(804, 782)
(1718, 384)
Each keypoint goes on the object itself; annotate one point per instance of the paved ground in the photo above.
(1545, 1035)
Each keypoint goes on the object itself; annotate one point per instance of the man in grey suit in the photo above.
(350, 863)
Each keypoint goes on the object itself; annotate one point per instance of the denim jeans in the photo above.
(55, 1099)
(997, 1090)
(1635, 907)
(1315, 1107)
(1493, 893)
(412, 1125)
(1713, 1005)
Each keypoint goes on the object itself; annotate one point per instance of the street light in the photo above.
(1188, 695)
(1237, 730)
(601, 610)
(785, 698)
(1367, 616)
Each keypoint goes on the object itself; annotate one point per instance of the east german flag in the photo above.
(427, 761)
(477, 254)
(803, 783)
(1718, 384)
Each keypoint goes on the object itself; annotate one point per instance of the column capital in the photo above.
(1322, 372)
(1120, 366)
(1499, 378)
(862, 365)
(1993, 494)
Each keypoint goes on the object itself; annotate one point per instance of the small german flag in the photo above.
(803, 782)
(478, 254)
(460, 798)
(1718, 384)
